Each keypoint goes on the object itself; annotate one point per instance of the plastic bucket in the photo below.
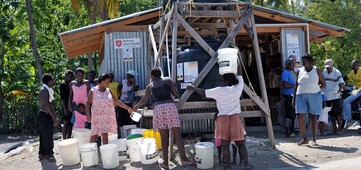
(109, 156)
(135, 116)
(82, 134)
(148, 151)
(122, 148)
(204, 155)
(150, 133)
(133, 149)
(137, 131)
(69, 151)
(228, 60)
(89, 154)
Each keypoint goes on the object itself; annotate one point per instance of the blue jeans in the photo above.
(347, 104)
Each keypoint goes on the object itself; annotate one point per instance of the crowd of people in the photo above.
(310, 93)
(104, 105)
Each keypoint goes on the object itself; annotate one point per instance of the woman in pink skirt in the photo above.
(165, 115)
(102, 101)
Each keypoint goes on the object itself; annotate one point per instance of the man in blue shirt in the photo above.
(288, 84)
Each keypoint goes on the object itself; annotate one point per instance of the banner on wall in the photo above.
(127, 43)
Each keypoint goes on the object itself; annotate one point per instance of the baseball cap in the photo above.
(328, 63)
(288, 61)
(132, 72)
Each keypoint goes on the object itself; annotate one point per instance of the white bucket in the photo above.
(133, 149)
(135, 116)
(122, 148)
(109, 156)
(69, 151)
(228, 60)
(204, 155)
(82, 134)
(137, 131)
(148, 151)
(89, 154)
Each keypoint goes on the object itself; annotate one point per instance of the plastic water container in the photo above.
(228, 60)
(204, 155)
(148, 151)
(82, 134)
(69, 151)
(133, 149)
(150, 133)
(122, 148)
(89, 154)
(137, 131)
(109, 156)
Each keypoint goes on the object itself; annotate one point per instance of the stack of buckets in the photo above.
(140, 149)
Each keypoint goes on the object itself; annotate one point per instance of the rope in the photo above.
(244, 68)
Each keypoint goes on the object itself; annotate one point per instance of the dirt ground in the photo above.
(286, 155)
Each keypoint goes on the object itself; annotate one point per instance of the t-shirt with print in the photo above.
(287, 76)
(227, 98)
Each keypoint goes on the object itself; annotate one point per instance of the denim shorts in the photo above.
(309, 103)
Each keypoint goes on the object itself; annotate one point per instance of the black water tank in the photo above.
(198, 57)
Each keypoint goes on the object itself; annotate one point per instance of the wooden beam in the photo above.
(208, 25)
(161, 43)
(174, 49)
(245, 15)
(82, 40)
(194, 34)
(261, 80)
(152, 41)
(85, 50)
(209, 14)
(84, 45)
(317, 40)
(101, 46)
(128, 28)
(212, 104)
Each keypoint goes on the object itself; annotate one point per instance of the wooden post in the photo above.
(262, 81)
(153, 43)
(161, 43)
(174, 69)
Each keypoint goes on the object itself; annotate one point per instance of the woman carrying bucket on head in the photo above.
(102, 101)
(229, 126)
(165, 115)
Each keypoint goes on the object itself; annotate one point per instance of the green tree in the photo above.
(341, 13)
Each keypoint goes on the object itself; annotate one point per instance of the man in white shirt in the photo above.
(333, 88)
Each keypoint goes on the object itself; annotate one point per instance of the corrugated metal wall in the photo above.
(113, 58)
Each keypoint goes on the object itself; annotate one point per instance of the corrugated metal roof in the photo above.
(111, 21)
(301, 19)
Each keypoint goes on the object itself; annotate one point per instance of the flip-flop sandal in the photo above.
(51, 159)
(162, 166)
(302, 143)
(313, 143)
(291, 135)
